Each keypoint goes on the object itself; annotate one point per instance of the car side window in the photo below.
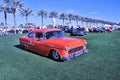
(39, 35)
(50, 35)
(31, 35)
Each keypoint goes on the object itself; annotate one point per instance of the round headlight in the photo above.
(67, 48)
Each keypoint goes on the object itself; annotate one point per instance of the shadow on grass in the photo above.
(23, 48)
(20, 47)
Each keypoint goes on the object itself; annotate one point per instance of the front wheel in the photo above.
(55, 55)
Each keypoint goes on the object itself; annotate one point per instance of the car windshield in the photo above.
(54, 34)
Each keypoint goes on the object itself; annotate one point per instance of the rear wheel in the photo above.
(25, 47)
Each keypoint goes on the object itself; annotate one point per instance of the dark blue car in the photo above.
(78, 32)
(67, 29)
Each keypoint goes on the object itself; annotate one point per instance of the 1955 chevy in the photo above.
(52, 43)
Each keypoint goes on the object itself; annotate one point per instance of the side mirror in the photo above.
(37, 39)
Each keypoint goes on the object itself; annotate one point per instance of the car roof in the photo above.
(45, 30)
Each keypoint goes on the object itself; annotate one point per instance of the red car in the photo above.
(110, 29)
(53, 43)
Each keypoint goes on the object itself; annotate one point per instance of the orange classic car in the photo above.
(53, 43)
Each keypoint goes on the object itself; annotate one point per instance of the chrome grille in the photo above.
(75, 49)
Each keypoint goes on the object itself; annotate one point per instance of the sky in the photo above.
(107, 10)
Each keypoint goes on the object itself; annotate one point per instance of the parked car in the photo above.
(53, 43)
(67, 29)
(1, 33)
(98, 30)
(118, 28)
(110, 29)
(78, 32)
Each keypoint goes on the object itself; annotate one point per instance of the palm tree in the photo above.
(93, 22)
(82, 21)
(24, 11)
(77, 18)
(102, 23)
(43, 15)
(90, 21)
(4, 8)
(14, 4)
(70, 17)
(87, 20)
(97, 22)
(53, 15)
(63, 17)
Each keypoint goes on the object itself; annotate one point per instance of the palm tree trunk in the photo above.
(5, 15)
(90, 24)
(86, 24)
(82, 23)
(14, 19)
(63, 22)
(27, 20)
(97, 24)
(77, 22)
(42, 20)
(70, 21)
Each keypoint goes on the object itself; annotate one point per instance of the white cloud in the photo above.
(70, 11)
(92, 12)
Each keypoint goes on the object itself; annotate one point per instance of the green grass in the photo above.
(102, 62)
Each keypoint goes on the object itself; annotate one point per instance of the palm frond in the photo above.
(53, 14)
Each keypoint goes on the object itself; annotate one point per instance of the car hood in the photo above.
(65, 41)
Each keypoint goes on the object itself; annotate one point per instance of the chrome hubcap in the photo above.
(55, 55)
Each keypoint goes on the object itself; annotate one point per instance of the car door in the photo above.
(30, 41)
(44, 47)
(40, 45)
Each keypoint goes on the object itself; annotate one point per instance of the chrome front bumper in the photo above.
(74, 55)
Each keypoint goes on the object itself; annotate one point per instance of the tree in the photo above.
(43, 15)
(1, 24)
(4, 8)
(86, 20)
(82, 20)
(24, 11)
(90, 21)
(96, 22)
(14, 4)
(118, 23)
(53, 15)
(70, 17)
(63, 17)
(77, 18)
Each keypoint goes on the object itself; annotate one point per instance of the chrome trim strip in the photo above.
(41, 44)
(27, 43)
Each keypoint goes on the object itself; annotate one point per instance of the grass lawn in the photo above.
(102, 62)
